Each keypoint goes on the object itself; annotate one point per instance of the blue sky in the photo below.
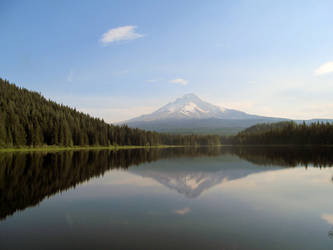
(120, 59)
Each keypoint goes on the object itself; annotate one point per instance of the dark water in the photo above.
(192, 198)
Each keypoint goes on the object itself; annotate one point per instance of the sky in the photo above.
(120, 59)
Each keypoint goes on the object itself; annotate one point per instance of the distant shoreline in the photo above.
(75, 148)
(277, 145)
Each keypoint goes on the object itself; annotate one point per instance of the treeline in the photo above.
(27, 178)
(284, 133)
(28, 119)
(286, 156)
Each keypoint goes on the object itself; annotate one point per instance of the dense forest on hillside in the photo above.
(284, 133)
(28, 119)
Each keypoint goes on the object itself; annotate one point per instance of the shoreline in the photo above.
(76, 148)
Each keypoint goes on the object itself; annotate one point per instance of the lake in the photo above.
(175, 198)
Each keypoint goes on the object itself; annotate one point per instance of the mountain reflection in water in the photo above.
(28, 178)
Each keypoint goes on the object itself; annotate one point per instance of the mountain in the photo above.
(191, 106)
(192, 178)
(190, 114)
(29, 119)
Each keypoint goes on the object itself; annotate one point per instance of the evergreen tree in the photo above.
(28, 119)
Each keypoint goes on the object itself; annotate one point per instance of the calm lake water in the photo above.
(180, 198)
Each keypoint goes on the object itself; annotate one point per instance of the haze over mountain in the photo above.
(191, 114)
(191, 106)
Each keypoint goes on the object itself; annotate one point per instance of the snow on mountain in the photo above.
(191, 106)
(192, 178)
(190, 114)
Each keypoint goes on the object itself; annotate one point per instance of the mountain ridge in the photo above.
(190, 114)
(190, 106)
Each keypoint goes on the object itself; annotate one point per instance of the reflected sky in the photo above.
(207, 202)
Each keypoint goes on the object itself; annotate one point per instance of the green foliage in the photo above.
(285, 133)
(227, 131)
(28, 119)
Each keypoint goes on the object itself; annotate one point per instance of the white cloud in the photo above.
(182, 211)
(120, 34)
(180, 81)
(328, 218)
(324, 69)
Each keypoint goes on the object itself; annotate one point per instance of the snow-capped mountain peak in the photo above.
(189, 113)
(190, 106)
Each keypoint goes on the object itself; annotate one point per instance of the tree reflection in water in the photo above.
(330, 234)
(28, 178)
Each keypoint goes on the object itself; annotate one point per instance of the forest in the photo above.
(284, 133)
(27, 119)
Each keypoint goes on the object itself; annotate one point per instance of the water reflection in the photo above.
(27, 178)
(192, 177)
(181, 198)
(287, 156)
(330, 234)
